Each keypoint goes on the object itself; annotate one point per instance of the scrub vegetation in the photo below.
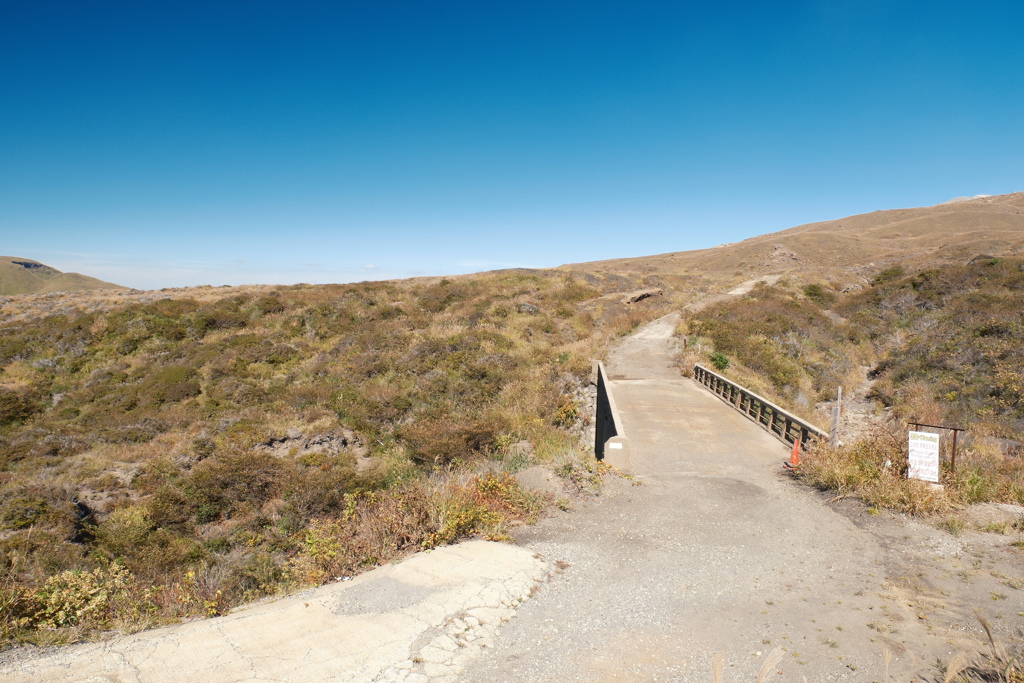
(941, 346)
(177, 456)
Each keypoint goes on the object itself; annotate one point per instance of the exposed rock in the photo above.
(641, 294)
(294, 442)
(521, 448)
(779, 255)
(528, 308)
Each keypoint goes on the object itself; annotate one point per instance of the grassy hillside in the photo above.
(847, 252)
(179, 456)
(25, 276)
(944, 345)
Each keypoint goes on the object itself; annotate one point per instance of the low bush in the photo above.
(818, 294)
(16, 407)
(720, 361)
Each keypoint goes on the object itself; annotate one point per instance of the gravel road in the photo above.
(712, 548)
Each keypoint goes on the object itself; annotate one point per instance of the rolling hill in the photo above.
(25, 276)
(848, 251)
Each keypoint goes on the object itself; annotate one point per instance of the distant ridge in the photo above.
(955, 200)
(25, 276)
(847, 251)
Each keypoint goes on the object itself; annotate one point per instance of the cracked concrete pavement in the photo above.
(419, 620)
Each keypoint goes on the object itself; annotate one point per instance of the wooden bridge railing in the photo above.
(780, 423)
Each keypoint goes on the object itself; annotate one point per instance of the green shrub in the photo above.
(818, 294)
(888, 275)
(441, 440)
(221, 484)
(16, 407)
(79, 597)
(719, 360)
(22, 511)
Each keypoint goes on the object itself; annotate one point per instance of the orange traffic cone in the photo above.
(794, 457)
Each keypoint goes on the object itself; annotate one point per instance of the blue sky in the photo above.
(170, 144)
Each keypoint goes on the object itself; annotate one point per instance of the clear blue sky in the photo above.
(178, 143)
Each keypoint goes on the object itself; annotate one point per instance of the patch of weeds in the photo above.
(881, 627)
(818, 294)
(953, 525)
(567, 413)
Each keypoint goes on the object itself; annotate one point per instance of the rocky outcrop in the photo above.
(641, 294)
(296, 443)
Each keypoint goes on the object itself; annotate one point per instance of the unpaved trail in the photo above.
(716, 550)
(738, 290)
(708, 548)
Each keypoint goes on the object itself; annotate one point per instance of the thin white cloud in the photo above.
(370, 266)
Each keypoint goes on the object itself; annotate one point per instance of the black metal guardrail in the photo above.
(784, 425)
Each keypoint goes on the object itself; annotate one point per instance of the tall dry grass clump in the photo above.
(995, 664)
(875, 470)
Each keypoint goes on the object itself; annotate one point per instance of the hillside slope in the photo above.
(25, 276)
(849, 251)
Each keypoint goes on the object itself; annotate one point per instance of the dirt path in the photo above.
(716, 550)
(738, 290)
(709, 548)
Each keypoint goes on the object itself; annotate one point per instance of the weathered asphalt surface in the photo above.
(714, 551)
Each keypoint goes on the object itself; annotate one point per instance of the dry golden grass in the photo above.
(841, 253)
(996, 664)
(875, 470)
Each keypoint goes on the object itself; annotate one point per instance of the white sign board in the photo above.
(924, 456)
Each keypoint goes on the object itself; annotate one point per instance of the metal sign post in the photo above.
(956, 432)
(837, 411)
